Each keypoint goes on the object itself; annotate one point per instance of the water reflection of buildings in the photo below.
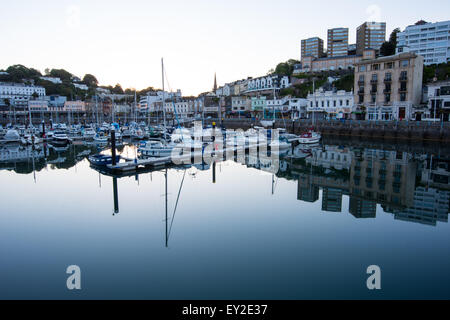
(430, 206)
(369, 177)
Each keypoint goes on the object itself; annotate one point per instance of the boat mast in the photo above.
(164, 100)
(274, 97)
(315, 103)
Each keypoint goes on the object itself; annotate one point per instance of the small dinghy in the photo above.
(102, 160)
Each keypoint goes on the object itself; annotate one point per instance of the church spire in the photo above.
(215, 83)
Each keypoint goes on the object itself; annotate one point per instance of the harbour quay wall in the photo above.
(385, 130)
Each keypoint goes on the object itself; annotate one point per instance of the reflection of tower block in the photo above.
(307, 191)
(332, 200)
(363, 209)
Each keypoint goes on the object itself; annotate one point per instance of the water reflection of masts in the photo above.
(167, 234)
(116, 197)
(169, 228)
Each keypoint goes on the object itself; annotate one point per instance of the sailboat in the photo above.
(153, 148)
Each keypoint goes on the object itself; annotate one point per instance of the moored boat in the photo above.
(102, 160)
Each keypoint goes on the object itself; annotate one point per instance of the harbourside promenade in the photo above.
(386, 130)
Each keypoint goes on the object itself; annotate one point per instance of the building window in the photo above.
(374, 98)
(403, 76)
(404, 63)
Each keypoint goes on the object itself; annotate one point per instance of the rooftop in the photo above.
(404, 55)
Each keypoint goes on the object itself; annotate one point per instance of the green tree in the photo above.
(117, 89)
(62, 74)
(286, 68)
(17, 73)
(90, 80)
(388, 48)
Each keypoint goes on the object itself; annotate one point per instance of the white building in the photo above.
(439, 101)
(240, 104)
(278, 105)
(52, 79)
(431, 40)
(81, 86)
(75, 106)
(266, 83)
(331, 157)
(298, 107)
(19, 94)
(332, 104)
(180, 109)
(38, 105)
(224, 91)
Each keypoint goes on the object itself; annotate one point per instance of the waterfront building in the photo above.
(439, 101)
(370, 35)
(267, 84)
(19, 94)
(122, 108)
(337, 42)
(180, 109)
(259, 104)
(74, 106)
(38, 105)
(312, 47)
(276, 106)
(55, 102)
(298, 107)
(330, 104)
(430, 40)
(240, 104)
(388, 88)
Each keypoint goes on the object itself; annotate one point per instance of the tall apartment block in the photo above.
(370, 35)
(337, 42)
(430, 40)
(312, 47)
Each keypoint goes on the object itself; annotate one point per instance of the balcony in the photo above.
(361, 91)
(361, 82)
(388, 80)
(402, 90)
(403, 78)
(387, 91)
(374, 81)
(372, 91)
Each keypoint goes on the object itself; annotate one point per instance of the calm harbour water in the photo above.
(307, 231)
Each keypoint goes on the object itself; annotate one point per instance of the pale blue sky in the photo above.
(123, 41)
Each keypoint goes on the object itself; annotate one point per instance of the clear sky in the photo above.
(123, 41)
